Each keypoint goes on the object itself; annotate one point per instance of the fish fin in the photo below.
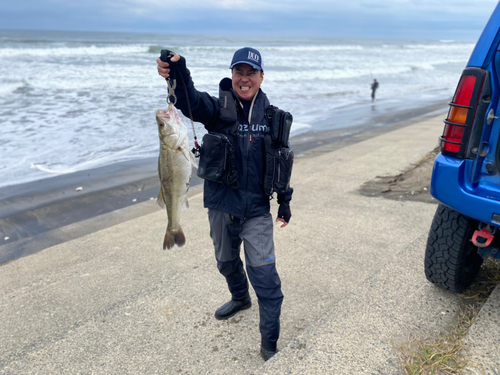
(185, 153)
(160, 200)
(194, 161)
(174, 238)
(185, 205)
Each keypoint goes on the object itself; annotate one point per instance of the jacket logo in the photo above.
(253, 56)
(254, 128)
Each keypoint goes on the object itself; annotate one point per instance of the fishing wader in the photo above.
(227, 233)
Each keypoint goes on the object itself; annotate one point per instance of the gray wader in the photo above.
(256, 234)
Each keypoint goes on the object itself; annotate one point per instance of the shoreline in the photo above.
(43, 213)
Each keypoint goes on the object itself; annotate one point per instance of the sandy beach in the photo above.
(43, 213)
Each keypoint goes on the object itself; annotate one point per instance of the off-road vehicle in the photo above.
(466, 174)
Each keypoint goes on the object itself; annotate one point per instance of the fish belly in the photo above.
(175, 175)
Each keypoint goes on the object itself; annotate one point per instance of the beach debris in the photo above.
(134, 200)
(7, 238)
(174, 170)
(79, 188)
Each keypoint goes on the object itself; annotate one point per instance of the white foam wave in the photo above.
(75, 52)
(7, 88)
(267, 50)
(444, 47)
(271, 49)
(108, 158)
(42, 168)
(299, 128)
(345, 73)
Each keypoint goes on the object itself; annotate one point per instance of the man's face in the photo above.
(246, 81)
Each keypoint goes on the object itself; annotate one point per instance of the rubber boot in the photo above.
(267, 354)
(232, 307)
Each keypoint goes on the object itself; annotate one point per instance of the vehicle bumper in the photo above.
(451, 186)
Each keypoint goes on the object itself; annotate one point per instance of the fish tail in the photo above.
(173, 238)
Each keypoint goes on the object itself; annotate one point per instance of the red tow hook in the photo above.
(485, 237)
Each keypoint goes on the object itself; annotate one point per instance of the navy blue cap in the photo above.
(248, 56)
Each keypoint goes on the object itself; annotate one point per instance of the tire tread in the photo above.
(446, 263)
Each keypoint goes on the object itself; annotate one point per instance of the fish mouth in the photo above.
(163, 113)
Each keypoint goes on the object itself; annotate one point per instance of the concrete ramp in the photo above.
(113, 302)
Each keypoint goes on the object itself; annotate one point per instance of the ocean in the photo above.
(71, 101)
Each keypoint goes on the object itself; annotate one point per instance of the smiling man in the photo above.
(248, 75)
(238, 203)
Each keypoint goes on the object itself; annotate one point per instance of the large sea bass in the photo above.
(174, 170)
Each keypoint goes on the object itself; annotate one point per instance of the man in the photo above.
(240, 212)
(374, 87)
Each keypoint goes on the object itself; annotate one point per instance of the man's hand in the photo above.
(163, 69)
(284, 214)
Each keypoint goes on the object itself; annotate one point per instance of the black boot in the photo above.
(266, 354)
(232, 307)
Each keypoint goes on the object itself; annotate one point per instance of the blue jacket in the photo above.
(249, 199)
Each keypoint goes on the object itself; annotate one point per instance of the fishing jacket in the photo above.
(249, 199)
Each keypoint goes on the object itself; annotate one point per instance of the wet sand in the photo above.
(41, 214)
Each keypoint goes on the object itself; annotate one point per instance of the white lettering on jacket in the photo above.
(255, 128)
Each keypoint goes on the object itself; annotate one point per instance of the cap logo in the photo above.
(253, 56)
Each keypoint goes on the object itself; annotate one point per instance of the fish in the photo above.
(174, 171)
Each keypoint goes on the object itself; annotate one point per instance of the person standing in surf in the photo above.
(238, 207)
(374, 87)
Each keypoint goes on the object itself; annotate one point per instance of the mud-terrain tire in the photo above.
(451, 259)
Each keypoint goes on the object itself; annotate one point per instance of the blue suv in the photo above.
(466, 174)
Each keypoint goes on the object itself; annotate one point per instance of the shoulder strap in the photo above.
(270, 111)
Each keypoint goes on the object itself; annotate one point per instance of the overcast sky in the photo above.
(429, 19)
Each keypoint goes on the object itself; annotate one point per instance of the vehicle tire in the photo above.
(451, 260)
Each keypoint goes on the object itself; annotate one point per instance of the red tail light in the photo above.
(461, 114)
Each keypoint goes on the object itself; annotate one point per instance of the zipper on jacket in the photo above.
(249, 121)
(225, 150)
(279, 165)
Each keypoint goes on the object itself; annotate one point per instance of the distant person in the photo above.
(374, 86)
(239, 210)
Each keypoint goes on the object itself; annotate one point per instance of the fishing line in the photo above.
(172, 85)
(196, 148)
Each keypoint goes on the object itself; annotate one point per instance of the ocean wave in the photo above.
(306, 48)
(443, 47)
(157, 49)
(67, 51)
(299, 128)
(263, 49)
(7, 88)
(272, 50)
(345, 73)
(25, 41)
(42, 168)
(71, 114)
(107, 157)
